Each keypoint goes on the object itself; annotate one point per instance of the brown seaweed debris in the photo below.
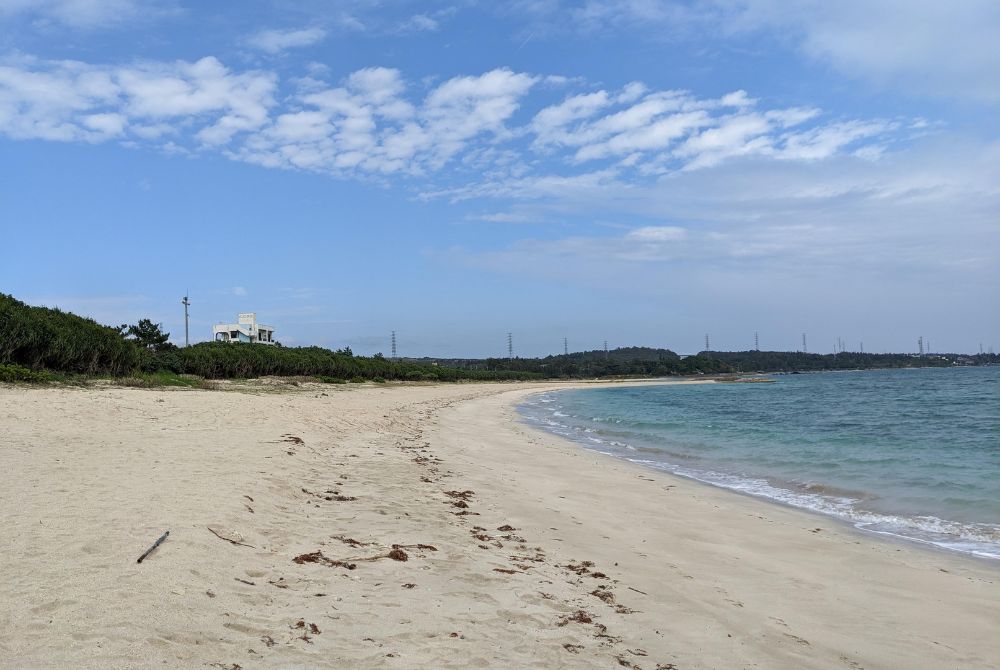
(318, 557)
(460, 495)
(573, 648)
(428, 547)
(602, 633)
(581, 569)
(578, 616)
(351, 541)
(604, 594)
(505, 571)
(293, 439)
(267, 640)
(396, 553)
(506, 528)
(409, 586)
(537, 558)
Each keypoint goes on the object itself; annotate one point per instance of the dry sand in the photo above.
(536, 553)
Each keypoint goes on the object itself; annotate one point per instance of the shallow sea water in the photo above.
(910, 453)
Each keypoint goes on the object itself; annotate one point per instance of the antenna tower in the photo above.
(186, 303)
(920, 345)
(565, 347)
(804, 349)
(510, 347)
(605, 350)
(394, 345)
(756, 341)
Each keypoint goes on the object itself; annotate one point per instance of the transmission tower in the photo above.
(394, 345)
(565, 347)
(707, 348)
(186, 303)
(862, 347)
(756, 341)
(605, 350)
(804, 349)
(510, 347)
(920, 345)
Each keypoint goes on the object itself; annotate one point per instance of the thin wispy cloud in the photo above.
(87, 14)
(278, 41)
(919, 46)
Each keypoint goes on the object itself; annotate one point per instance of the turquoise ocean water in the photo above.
(909, 453)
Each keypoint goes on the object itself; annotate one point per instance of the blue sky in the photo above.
(641, 172)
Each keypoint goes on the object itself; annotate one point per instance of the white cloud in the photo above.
(418, 23)
(70, 100)
(657, 234)
(85, 14)
(922, 46)
(368, 125)
(377, 123)
(276, 41)
(844, 236)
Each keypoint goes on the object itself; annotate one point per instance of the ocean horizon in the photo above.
(913, 454)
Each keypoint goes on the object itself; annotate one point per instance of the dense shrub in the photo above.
(225, 360)
(17, 373)
(40, 338)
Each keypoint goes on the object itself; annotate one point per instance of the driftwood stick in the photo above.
(229, 539)
(155, 545)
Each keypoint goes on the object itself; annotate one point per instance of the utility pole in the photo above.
(186, 302)
(565, 347)
(394, 345)
(510, 348)
(756, 341)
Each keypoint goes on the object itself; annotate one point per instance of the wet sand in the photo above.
(424, 526)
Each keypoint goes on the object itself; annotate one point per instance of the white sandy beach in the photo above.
(523, 550)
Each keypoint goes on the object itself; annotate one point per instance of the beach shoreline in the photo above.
(523, 549)
(526, 413)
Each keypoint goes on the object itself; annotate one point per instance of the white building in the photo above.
(246, 329)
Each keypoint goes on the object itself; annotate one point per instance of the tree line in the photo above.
(39, 339)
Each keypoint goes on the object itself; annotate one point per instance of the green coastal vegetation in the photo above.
(43, 344)
(39, 344)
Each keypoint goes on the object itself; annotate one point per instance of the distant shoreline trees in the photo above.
(42, 339)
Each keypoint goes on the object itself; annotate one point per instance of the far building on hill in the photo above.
(246, 329)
